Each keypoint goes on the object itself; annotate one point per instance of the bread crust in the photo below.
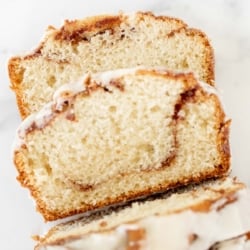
(77, 30)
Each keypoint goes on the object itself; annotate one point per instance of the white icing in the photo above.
(174, 230)
(209, 89)
(104, 78)
(39, 119)
(71, 88)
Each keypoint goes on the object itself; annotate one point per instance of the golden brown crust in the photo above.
(224, 145)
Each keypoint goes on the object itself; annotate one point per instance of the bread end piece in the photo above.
(194, 210)
(141, 131)
(104, 43)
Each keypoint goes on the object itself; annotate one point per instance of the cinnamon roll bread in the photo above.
(107, 42)
(120, 135)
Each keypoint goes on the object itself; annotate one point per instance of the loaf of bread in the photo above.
(120, 135)
(104, 43)
(193, 218)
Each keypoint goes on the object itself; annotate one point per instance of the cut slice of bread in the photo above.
(120, 135)
(193, 218)
(103, 43)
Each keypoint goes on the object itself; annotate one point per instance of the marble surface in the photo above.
(22, 23)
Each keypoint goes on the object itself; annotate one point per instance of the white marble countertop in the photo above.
(22, 23)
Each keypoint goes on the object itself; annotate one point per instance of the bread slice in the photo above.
(192, 218)
(103, 43)
(120, 135)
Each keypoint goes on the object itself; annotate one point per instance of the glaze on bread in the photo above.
(193, 218)
(103, 43)
(241, 242)
(120, 135)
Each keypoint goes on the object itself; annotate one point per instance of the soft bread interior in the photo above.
(139, 134)
(127, 42)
